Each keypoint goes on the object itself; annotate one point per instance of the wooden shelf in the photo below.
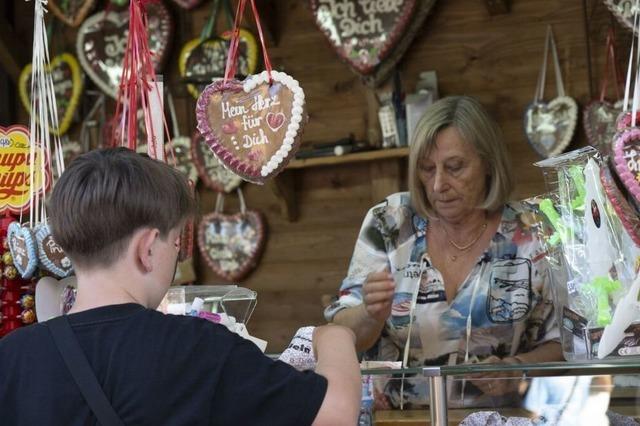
(384, 165)
(358, 157)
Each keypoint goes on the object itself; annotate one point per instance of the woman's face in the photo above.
(454, 176)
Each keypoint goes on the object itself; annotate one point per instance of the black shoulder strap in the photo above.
(82, 373)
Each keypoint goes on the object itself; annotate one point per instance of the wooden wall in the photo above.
(495, 58)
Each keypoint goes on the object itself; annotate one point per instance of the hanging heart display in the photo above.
(187, 4)
(232, 244)
(71, 12)
(206, 60)
(628, 216)
(549, 126)
(623, 11)
(626, 160)
(67, 85)
(22, 245)
(370, 34)
(102, 42)
(624, 120)
(211, 171)
(599, 118)
(253, 127)
(181, 147)
(51, 255)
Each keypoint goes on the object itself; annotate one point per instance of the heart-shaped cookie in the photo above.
(625, 212)
(232, 118)
(368, 33)
(626, 160)
(623, 11)
(102, 41)
(15, 181)
(71, 12)
(22, 245)
(549, 126)
(67, 85)
(599, 119)
(51, 255)
(206, 60)
(232, 244)
(211, 171)
(624, 120)
(180, 146)
(187, 4)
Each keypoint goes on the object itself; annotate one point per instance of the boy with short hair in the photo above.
(118, 216)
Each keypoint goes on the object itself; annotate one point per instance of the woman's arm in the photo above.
(546, 352)
(366, 328)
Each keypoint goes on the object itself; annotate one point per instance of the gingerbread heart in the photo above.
(367, 34)
(22, 245)
(625, 212)
(206, 60)
(181, 147)
(232, 244)
(623, 11)
(549, 126)
(51, 255)
(626, 160)
(211, 171)
(67, 85)
(624, 120)
(187, 4)
(233, 119)
(599, 119)
(102, 41)
(71, 12)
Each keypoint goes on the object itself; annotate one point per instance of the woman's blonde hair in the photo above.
(477, 128)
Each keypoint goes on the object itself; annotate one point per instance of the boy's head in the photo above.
(107, 196)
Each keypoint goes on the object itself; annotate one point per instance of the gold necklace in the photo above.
(465, 247)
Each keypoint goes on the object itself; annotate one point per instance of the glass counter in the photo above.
(558, 393)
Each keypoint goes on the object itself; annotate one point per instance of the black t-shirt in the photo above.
(155, 369)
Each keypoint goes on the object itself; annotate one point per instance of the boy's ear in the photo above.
(144, 247)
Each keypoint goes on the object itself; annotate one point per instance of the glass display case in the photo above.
(559, 393)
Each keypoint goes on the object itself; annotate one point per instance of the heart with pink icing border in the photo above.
(253, 127)
(626, 160)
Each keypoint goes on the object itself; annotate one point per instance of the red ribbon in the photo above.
(611, 60)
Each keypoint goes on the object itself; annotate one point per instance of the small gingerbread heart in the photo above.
(51, 255)
(232, 244)
(211, 171)
(549, 126)
(180, 146)
(233, 119)
(599, 119)
(22, 245)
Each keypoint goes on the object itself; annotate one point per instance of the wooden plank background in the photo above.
(494, 58)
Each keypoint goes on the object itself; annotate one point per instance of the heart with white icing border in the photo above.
(626, 160)
(599, 119)
(102, 41)
(51, 255)
(232, 118)
(22, 245)
(232, 244)
(211, 171)
(549, 126)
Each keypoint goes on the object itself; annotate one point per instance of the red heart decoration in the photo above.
(72, 12)
(371, 36)
(255, 151)
(232, 244)
(102, 40)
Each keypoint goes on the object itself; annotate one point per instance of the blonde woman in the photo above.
(452, 263)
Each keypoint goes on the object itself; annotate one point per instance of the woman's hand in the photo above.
(377, 293)
(507, 383)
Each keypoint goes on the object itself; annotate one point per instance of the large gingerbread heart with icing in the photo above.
(211, 171)
(206, 60)
(369, 33)
(549, 126)
(232, 244)
(102, 41)
(623, 11)
(71, 12)
(626, 160)
(253, 127)
(51, 255)
(625, 212)
(599, 119)
(67, 85)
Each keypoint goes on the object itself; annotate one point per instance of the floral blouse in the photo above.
(503, 307)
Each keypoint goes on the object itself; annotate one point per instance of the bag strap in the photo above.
(82, 373)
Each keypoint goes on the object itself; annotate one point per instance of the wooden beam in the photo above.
(13, 55)
(497, 7)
